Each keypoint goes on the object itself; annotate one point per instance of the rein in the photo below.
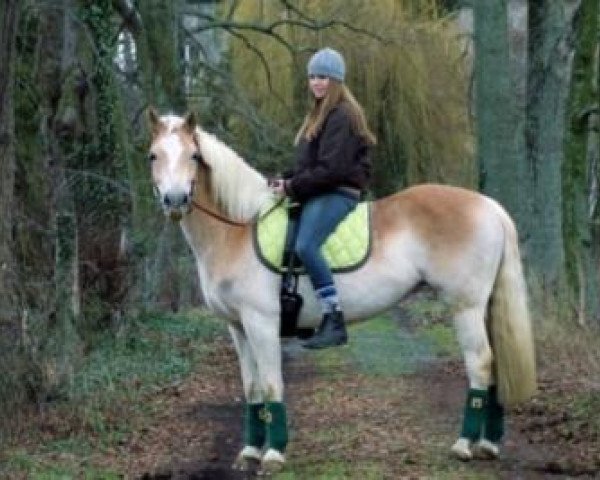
(228, 221)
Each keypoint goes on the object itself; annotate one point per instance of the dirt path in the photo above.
(368, 425)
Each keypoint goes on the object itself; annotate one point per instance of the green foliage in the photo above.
(107, 394)
(155, 347)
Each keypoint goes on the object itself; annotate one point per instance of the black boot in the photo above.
(331, 332)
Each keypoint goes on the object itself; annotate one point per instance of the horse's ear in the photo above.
(156, 126)
(190, 123)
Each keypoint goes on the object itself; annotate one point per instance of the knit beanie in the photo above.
(329, 63)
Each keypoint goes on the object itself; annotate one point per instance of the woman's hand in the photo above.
(277, 186)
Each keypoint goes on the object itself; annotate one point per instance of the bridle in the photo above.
(226, 220)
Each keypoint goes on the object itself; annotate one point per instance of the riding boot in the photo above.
(331, 332)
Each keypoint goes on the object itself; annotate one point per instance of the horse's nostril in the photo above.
(176, 199)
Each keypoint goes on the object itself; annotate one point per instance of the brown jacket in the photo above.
(336, 157)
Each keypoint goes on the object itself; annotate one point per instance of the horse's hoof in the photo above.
(248, 459)
(486, 450)
(272, 462)
(462, 449)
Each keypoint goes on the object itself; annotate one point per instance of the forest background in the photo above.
(498, 98)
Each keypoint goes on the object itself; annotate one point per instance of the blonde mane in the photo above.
(236, 188)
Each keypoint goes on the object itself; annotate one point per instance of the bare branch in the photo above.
(269, 29)
(296, 10)
(258, 53)
(314, 24)
(250, 47)
(131, 17)
(234, 5)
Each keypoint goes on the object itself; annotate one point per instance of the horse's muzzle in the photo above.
(175, 205)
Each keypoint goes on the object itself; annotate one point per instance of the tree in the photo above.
(537, 157)
(10, 330)
(9, 17)
(551, 52)
(581, 170)
(500, 119)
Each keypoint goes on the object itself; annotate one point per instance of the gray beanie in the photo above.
(329, 63)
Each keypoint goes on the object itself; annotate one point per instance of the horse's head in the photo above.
(175, 158)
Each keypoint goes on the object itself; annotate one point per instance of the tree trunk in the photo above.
(57, 52)
(8, 280)
(102, 206)
(159, 54)
(581, 176)
(550, 64)
(500, 118)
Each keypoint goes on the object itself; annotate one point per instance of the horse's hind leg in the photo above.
(494, 426)
(473, 338)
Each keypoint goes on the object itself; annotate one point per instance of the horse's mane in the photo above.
(238, 189)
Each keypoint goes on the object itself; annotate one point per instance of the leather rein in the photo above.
(228, 221)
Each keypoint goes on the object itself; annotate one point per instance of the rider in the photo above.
(332, 170)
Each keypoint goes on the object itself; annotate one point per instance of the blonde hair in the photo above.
(337, 93)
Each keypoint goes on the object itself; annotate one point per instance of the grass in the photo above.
(334, 470)
(157, 348)
(104, 400)
(59, 467)
(379, 347)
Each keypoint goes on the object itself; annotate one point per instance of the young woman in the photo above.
(331, 173)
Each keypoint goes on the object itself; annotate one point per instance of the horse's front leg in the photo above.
(262, 336)
(254, 427)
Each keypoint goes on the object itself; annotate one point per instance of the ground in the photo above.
(388, 406)
(348, 424)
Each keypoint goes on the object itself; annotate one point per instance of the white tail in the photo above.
(510, 324)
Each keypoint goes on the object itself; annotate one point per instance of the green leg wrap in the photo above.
(255, 432)
(494, 422)
(276, 420)
(475, 409)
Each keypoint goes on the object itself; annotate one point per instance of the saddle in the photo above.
(345, 250)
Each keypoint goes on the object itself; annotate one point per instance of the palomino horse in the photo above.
(461, 243)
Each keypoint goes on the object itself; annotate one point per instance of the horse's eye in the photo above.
(151, 157)
(196, 157)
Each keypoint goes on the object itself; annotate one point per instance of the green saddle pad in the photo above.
(345, 249)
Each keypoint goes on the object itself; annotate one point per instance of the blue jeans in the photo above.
(320, 216)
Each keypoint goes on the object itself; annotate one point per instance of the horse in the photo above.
(460, 242)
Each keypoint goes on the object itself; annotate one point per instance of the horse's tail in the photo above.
(510, 323)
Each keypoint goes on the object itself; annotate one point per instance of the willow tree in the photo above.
(404, 65)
